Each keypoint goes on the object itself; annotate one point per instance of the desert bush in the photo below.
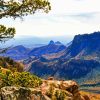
(23, 79)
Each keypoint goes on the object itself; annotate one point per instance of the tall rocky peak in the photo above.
(88, 43)
(55, 43)
(51, 42)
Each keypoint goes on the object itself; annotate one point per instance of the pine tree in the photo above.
(18, 8)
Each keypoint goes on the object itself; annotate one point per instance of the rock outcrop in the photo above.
(20, 93)
(49, 90)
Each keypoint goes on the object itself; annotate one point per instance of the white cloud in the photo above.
(75, 6)
(67, 17)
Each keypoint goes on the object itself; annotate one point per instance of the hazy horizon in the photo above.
(35, 41)
(32, 41)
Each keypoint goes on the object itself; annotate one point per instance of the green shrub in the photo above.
(23, 79)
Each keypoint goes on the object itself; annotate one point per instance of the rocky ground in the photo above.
(49, 90)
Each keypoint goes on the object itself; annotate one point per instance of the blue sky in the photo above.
(67, 18)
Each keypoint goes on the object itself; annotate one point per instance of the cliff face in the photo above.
(86, 44)
(49, 90)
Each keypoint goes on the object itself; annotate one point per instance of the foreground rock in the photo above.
(49, 90)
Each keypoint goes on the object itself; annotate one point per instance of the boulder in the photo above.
(20, 93)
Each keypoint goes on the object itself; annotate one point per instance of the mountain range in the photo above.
(20, 52)
(78, 60)
(33, 41)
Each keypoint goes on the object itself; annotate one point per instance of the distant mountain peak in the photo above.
(58, 43)
(55, 43)
(51, 42)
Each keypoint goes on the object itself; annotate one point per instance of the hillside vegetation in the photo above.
(9, 63)
(23, 79)
(11, 74)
